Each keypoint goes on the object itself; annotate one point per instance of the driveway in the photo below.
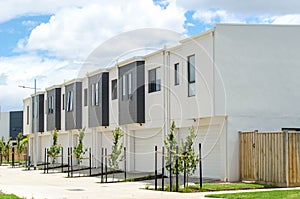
(35, 184)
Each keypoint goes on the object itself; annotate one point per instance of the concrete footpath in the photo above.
(35, 184)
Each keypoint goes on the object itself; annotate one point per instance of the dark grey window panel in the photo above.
(15, 123)
(73, 117)
(54, 109)
(98, 105)
(132, 105)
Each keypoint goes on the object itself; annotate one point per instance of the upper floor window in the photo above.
(27, 115)
(123, 86)
(85, 97)
(114, 89)
(191, 76)
(154, 80)
(95, 94)
(63, 101)
(50, 104)
(176, 69)
(69, 101)
(129, 78)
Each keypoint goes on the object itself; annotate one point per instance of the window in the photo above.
(154, 80)
(95, 94)
(114, 89)
(176, 69)
(50, 104)
(63, 101)
(70, 101)
(27, 115)
(123, 87)
(191, 75)
(129, 84)
(85, 97)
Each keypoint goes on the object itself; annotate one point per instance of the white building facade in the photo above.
(231, 78)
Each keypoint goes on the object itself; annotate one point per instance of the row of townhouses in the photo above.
(228, 79)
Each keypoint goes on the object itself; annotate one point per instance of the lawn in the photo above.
(217, 187)
(8, 196)
(259, 194)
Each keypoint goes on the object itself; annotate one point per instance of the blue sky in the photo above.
(48, 40)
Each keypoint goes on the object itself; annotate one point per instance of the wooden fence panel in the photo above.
(263, 157)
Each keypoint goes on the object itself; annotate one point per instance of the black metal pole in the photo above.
(171, 170)
(47, 163)
(102, 154)
(125, 163)
(71, 158)
(163, 168)
(105, 164)
(200, 165)
(62, 159)
(184, 173)
(176, 165)
(0, 156)
(90, 159)
(155, 166)
(45, 160)
(28, 163)
(68, 161)
(13, 157)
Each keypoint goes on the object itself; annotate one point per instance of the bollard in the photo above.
(28, 163)
(90, 161)
(125, 163)
(163, 169)
(176, 165)
(47, 161)
(45, 151)
(102, 154)
(200, 166)
(155, 165)
(171, 170)
(71, 154)
(68, 161)
(105, 164)
(62, 159)
(13, 157)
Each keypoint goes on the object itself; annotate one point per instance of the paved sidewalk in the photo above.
(35, 184)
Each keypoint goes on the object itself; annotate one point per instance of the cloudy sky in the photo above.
(48, 40)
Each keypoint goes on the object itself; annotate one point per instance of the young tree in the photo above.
(188, 156)
(170, 145)
(54, 148)
(5, 146)
(79, 151)
(115, 156)
(21, 144)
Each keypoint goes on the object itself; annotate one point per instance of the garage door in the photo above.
(145, 140)
(212, 156)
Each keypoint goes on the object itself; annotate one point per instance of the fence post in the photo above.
(286, 141)
(125, 163)
(13, 157)
(90, 161)
(163, 168)
(62, 159)
(102, 154)
(0, 155)
(155, 166)
(176, 166)
(45, 159)
(200, 165)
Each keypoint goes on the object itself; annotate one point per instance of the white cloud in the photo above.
(73, 32)
(245, 7)
(22, 70)
(215, 16)
(286, 19)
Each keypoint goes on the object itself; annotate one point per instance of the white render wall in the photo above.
(4, 125)
(259, 66)
(27, 127)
